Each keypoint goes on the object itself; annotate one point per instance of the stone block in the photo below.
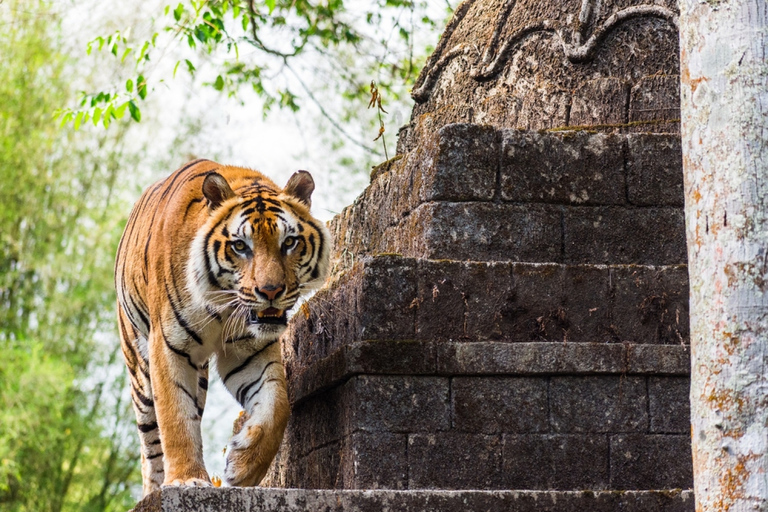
(398, 403)
(534, 312)
(647, 236)
(640, 461)
(319, 469)
(442, 300)
(490, 297)
(650, 305)
(598, 404)
(389, 285)
(562, 168)
(587, 304)
(480, 232)
(454, 460)
(654, 104)
(465, 164)
(492, 405)
(543, 106)
(375, 461)
(600, 102)
(655, 170)
(670, 405)
(318, 422)
(556, 462)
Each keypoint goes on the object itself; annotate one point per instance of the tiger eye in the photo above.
(289, 242)
(239, 245)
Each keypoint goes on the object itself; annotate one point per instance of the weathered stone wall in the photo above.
(480, 193)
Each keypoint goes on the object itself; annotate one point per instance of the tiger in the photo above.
(211, 260)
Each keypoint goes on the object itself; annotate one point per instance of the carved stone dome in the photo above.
(611, 65)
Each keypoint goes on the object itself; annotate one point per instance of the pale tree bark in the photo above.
(724, 92)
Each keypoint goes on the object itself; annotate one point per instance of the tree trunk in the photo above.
(724, 75)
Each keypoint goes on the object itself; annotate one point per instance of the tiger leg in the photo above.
(257, 381)
(175, 382)
(134, 347)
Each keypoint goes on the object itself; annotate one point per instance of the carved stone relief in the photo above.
(611, 65)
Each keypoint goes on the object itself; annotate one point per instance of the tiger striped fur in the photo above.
(210, 260)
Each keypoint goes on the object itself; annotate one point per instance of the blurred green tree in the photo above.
(61, 446)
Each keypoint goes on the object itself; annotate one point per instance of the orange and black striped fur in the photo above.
(210, 260)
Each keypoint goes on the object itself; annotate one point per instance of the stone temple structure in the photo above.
(507, 324)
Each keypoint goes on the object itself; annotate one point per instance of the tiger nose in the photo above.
(270, 291)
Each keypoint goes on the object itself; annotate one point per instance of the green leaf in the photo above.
(96, 116)
(219, 83)
(143, 51)
(108, 115)
(135, 112)
(190, 67)
(125, 54)
(120, 111)
(175, 68)
(178, 11)
(141, 86)
(78, 120)
(129, 85)
(271, 5)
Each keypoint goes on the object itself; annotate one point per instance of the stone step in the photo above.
(479, 193)
(396, 299)
(565, 428)
(191, 499)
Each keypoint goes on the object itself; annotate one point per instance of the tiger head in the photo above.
(259, 251)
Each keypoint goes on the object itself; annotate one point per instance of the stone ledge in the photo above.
(485, 358)
(480, 185)
(192, 499)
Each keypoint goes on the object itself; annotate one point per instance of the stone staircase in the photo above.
(451, 353)
(543, 368)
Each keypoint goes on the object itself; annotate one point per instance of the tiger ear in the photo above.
(301, 185)
(216, 190)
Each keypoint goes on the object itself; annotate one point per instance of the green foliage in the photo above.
(272, 47)
(57, 238)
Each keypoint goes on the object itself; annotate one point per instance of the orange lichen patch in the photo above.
(305, 309)
(732, 480)
(731, 404)
(216, 481)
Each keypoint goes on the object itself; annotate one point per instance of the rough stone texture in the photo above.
(400, 299)
(640, 461)
(670, 406)
(196, 499)
(649, 236)
(655, 98)
(598, 404)
(654, 163)
(573, 168)
(454, 460)
(556, 462)
(491, 405)
(533, 66)
(572, 197)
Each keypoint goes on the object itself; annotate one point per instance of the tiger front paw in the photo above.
(248, 456)
(188, 482)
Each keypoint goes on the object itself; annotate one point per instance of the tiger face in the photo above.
(258, 253)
